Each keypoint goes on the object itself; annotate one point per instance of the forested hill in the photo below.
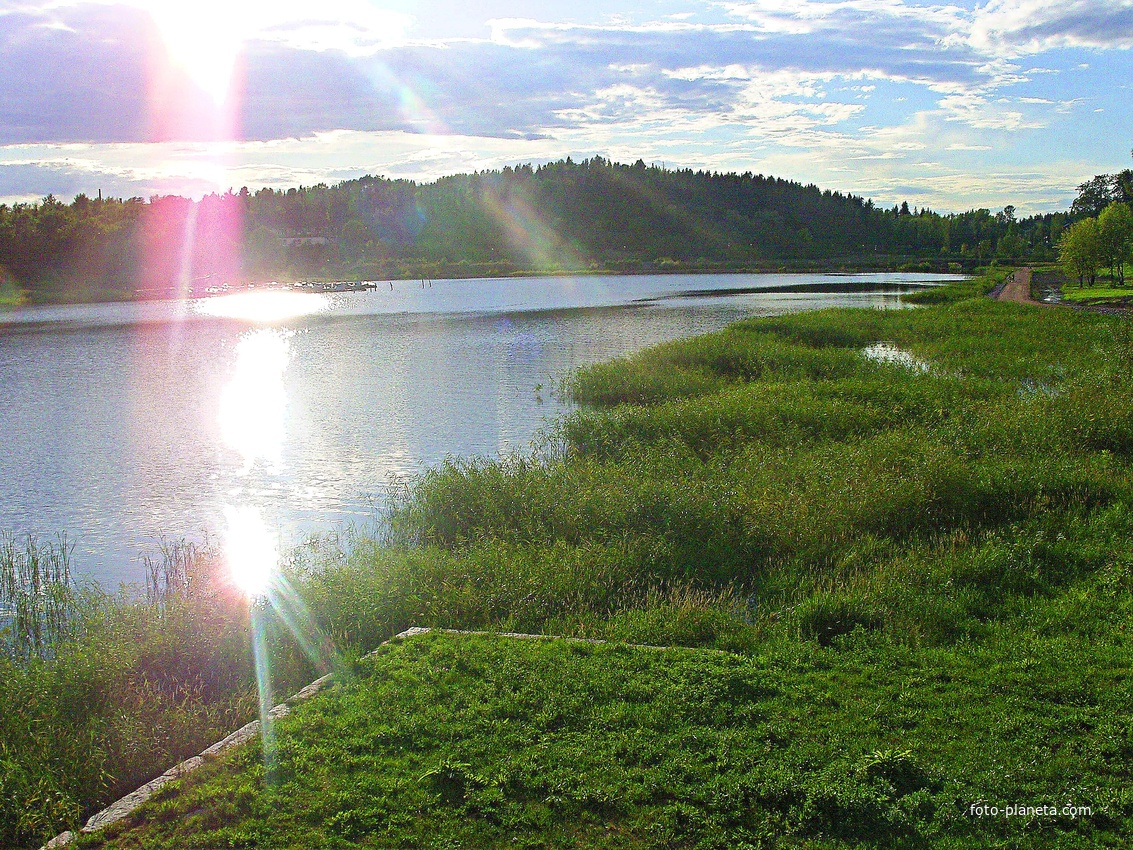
(562, 216)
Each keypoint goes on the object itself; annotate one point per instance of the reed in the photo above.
(37, 595)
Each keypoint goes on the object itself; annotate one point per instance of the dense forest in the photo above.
(563, 216)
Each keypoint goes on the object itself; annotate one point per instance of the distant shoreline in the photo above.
(894, 265)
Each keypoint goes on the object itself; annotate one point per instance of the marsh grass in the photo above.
(101, 691)
(791, 466)
(178, 568)
(37, 595)
(980, 284)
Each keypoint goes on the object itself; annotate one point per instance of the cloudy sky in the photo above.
(947, 106)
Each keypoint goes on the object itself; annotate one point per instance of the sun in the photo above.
(204, 39)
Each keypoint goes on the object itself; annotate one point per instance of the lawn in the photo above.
(1095, 293)
(446, 741)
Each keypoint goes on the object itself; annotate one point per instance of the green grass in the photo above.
(446, 741)
(111, 688)
(973, 287)
(933, 565)
(10, 295)
(1104, 291)
(1095, 293)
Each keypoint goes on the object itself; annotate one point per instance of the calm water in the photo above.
(124, 422)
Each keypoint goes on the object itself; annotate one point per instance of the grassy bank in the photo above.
(1106, 291)
(923, 549)
(1103, 295)
(100, 691)
(449, 741)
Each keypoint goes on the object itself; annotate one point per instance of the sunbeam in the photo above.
(528, 233)
(260, 619)
(413, 108)
(292, 611)
(203, 40)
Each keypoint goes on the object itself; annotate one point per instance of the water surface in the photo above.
(124, 422)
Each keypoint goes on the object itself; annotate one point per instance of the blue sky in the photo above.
(952, 106)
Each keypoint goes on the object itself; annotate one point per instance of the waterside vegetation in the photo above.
(905, 536)
(577, 217)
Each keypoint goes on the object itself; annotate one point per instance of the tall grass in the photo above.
(100, 692)
(36, 594)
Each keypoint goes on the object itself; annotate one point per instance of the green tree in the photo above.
(1079, 250)
(1095, 195)
(1115, 239)
(355, 238)
(1011, 244)
(262, 251)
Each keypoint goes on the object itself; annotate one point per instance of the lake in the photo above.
(290, 413)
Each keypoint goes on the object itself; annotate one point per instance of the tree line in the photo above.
(562, 216)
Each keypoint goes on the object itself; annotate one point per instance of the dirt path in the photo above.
(1017, 287)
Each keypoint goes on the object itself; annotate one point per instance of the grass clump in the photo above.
(972, 287)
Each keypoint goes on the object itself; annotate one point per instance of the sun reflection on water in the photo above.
(252, 409)
(262, 307)
(253, 403)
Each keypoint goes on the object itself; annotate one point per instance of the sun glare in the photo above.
(254, 401)
(251, 549)
(204, 39)
(262, 307)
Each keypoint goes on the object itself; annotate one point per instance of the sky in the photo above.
(952, 107)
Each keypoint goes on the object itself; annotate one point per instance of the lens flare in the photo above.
(251, 550)
(528, 233)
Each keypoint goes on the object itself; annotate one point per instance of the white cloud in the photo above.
(356, 27)
(529, 33)
(788, 106)
(801, 17)
(778, 86)
(975, 110)
(1020, 27)
(199, 168)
